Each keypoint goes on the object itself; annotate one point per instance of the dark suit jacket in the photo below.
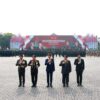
(50, 67)
(66, 67)
(79, 67)
(35, 66)
(24, 64)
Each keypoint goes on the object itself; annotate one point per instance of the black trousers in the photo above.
(21, 73)
(65, 78)
(34, 76)
(79, 77)
(49, 78)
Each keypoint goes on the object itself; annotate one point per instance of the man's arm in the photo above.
(83, 65)
(38, 63)
(70, 67)
(60, 63)
(25, 63)
(29, 64)
(75, 62)
(17, 63)
(46, 62)
(53, 64)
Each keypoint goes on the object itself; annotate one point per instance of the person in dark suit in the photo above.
(79, 62)
(66, 69)
(49, 69)
(22, 64)
(34, 63)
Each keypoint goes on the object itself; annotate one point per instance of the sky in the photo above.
(42, 17)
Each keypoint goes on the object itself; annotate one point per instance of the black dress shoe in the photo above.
(81, 85)
(67, 85)
(19, 85)
(35, 86)
(51, 85)
(32, 86)
(47, 86)
(63, 85)
(78, 84)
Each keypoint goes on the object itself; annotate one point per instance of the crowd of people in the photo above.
(50, 69)
(42, 53)
(93, 53)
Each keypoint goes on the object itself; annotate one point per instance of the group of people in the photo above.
(50, 68)
(93, 53)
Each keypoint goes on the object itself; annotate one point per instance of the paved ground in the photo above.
(9, 82)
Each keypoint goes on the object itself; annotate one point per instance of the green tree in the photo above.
(5, 40)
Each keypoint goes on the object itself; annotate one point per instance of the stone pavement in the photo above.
(9, 82)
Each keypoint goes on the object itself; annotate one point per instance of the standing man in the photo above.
(22, 64)
(66, 69)
(49, 69)
(79, 62)
(34, 63)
